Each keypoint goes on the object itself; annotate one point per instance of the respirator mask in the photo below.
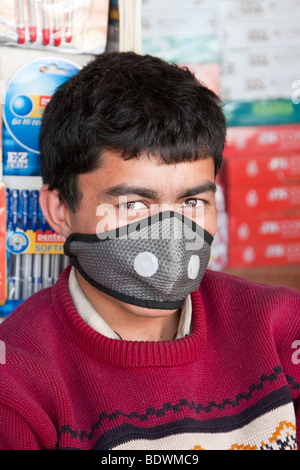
(155, 262)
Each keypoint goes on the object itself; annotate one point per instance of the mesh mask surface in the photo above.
(155, 262)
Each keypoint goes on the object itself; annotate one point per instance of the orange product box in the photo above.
(263, 254)
(257, 140)
(3, 283)
(262, 169)
(253, 200)
(270, 228)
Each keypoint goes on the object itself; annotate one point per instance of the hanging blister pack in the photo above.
(3, 284)
(32, 253)
(27, 93)
(72, 26)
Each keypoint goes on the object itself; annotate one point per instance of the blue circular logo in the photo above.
(17, 242)
(26, 96)
(21, 105)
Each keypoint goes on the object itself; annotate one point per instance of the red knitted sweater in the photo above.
(233, 383)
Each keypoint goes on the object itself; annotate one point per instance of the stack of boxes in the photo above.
(246, 51)
(263, 202)
(260, 90)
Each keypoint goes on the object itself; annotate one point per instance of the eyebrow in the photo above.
(125, 190)
(207, 187)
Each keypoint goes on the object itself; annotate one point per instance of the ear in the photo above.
(55, 211)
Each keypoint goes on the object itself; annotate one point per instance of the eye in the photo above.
(194, 203)
(132, 206)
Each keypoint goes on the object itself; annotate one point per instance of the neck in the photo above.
(152, 329)
(130, 322)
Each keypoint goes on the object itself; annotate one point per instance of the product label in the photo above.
(17, 242)
(27, 95)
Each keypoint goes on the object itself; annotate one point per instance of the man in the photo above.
(126, 351)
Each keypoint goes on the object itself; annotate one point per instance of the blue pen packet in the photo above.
(32, 255)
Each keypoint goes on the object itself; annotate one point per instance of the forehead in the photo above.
(148, 172)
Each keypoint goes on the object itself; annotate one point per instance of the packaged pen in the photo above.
(70, 26)
(32, 253)
(3, 284)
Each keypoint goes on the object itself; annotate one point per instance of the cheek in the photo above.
(106, 218)
(210, 222)
(84, 221)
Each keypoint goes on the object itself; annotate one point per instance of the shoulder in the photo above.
(35, 317)
(244, 292)
(26, 328)
(29, 374)
(32, 336)
(274, 309)
(33, 328)
(248, 302)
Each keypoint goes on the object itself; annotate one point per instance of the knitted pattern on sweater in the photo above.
(233, 383)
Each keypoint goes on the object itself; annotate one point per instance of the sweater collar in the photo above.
(128, 353)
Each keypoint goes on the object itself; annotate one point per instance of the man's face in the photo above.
(120, 192)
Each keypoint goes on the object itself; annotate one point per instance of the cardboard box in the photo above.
(219, 257)
(263, 254)
(264, 199)
(219, 248)
(273, 228)
(187, 20)
(181, 32)
(262, 140)
(263, 112)
(259, 86)
(260, 32)
(231, 10)
(252, 73)
(264, 61)
(244, 170)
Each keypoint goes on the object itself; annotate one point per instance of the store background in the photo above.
(247, 51)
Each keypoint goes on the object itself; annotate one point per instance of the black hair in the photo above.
(131, 104)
